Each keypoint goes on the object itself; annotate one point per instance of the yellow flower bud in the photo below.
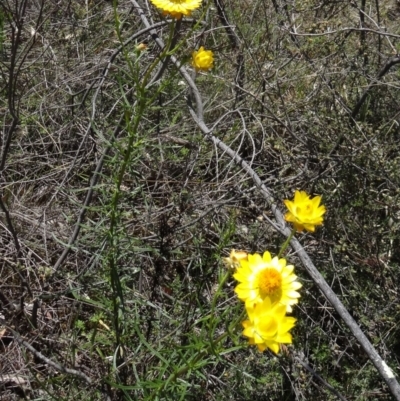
(202, 60)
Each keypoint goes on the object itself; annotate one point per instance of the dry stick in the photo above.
(383, 369)
(10, 225)
(16, 269)
(16, 32)
(5, 302)
(233, 37)
(48, 361)
(318, 377)
(17, 62)
(388, 65)
(378, 22)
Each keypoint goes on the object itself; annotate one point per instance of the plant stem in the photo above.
(286, 243)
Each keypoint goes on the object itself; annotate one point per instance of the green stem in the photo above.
(203, 352)
(192, 362)
(217, 293)
(286, 243)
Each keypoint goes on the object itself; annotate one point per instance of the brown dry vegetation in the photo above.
(127, 302)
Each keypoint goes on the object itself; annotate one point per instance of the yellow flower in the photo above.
(173, 14)
(202, 59)
(304, 213)
(177, 8)
(141, 47)
(264, 277)
(234, 258)
(268, 326)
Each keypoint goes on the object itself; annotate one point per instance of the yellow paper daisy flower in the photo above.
(264, 277)
(268, 326)
(305, 213)
(202, 59)
(141, 47)
(234, 258)
(177, 8)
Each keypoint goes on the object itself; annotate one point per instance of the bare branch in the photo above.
(48, 361)
(388, 65)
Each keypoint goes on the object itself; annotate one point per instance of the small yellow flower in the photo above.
(234, 258)
(268, 327)
(304, 213)
(264, 277)
(141, 47)
(202, 59)
(177, 8)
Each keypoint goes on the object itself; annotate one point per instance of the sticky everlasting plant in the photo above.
(203, 60)
(267, 285)
(304, 212)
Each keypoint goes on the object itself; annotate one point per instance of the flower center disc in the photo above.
(270, 284)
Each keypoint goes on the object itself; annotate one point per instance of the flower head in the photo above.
(264, 277)
(268, 326)
(177, 8)
(234, 258)
(304, 212)
(141, 47)
(202, 59)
